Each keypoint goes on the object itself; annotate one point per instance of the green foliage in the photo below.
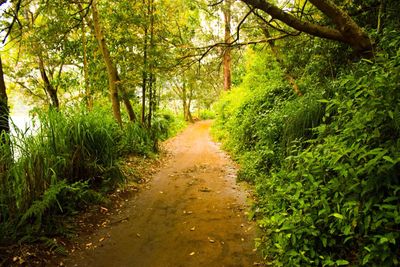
(326, 165)
(167, 124)
(136, 140)
(69, 162)
(206, 114)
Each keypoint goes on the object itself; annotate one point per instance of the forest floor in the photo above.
(190, 212)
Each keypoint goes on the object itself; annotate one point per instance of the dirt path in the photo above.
(191, 214)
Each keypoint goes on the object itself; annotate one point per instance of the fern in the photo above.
(53, 245)
(39, 207)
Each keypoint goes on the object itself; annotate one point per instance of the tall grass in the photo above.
(70, 161)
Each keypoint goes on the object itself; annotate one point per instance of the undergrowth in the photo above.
(325, 165)
(71, 161)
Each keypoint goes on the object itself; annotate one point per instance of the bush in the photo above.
(326, 166)
(166, 124)
(206, 114)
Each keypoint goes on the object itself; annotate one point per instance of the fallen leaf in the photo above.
(138, 235)
(103, 210)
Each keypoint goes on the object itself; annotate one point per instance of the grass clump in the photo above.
(71, 161)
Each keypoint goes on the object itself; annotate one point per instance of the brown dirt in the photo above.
(191, 213)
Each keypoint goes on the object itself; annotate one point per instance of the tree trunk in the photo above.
(184, 103)
(127, 102)
(151, 67)
(88, 93)
(51, 92)
(144, 72)
(4, 110)
(189, 114)
(151, 96)
(111, 70)
(227, 52)
(6, 156)
(352, 33)
(347, 30)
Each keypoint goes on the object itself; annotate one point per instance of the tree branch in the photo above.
(15, 17)
(347, 30)
(303, 26)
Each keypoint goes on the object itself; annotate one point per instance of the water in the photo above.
(21, 126)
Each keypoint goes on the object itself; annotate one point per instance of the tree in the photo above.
(346, 31)
(227, 51)
(184, 91)
(4, 110)
(111, 70)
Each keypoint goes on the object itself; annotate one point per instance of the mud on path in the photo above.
(192, 213)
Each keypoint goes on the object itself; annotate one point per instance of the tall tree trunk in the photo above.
(111, 70)
(127, 102)
(189, 114)
(289, 77)
(144, 71)
(50, 90)
(151, 65)
(4, 110)
(227, 51)
(88, 93)
(184, 102)
(6, 156)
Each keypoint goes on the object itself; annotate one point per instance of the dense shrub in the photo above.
(206, 114)
(326, 165)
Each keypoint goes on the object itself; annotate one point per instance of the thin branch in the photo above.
(241, 22)
(302, 9)
(269, 23)
(18, 6)
(216, 3)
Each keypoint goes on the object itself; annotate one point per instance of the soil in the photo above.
(191, 213)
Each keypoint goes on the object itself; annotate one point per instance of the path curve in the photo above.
(191, 214)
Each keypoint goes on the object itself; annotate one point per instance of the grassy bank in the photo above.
(72, 161)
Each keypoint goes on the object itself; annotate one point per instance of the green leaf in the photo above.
(387, 158)
(342, 262)
(366, 259)
(337, 215)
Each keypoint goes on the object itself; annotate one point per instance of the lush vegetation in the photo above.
(326, 164)
(57, 60)
(72, 160)
(311, 111)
